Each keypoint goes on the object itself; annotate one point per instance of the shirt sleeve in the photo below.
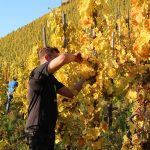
(41, 72)
(16, 84)
(43, 69)
(58, 84)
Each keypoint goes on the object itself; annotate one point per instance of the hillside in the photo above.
(21, 41)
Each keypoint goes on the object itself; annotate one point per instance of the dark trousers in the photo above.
(40, 141)
(9, 98)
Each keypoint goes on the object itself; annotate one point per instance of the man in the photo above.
(11, 88)
(43, 86)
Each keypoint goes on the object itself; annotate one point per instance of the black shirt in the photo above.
(42, 111)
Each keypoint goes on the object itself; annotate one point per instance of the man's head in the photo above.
(48, 53)
(15, 78)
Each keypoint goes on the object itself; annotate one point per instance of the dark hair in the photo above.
(15, 78)
(47, 50)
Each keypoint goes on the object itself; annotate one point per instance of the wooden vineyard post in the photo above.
(113, 43)
(44, 37)
(109, 118)
(117, 16)
(128, 25)
(64, 28)
(117, 24)
(148, 12)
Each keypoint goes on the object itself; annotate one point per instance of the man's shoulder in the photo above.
(40, 67)
(11, 82)
(14, 82)
(40, 71)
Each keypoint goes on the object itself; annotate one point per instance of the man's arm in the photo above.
(65, 91)
(71, 92)
(63, 59)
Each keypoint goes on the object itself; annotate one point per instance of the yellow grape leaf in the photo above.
(139, 17)
(90, 109)
(61, 108)
(87, 71)
(92, 133)
(83, 38)
(111, 72)
(131, 95)
(147, 24)
(81, 141)
(144, 51)
(135, 139)
(84, 5)
(87, 22)
(97, 2)
(137, 147)
(98, 144)
(140, 124)
(58, 138)
(104, 103)
(104, 126)
(124, 147)
(95, 95)
(126, 140)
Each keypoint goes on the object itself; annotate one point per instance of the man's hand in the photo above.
(78, 57)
